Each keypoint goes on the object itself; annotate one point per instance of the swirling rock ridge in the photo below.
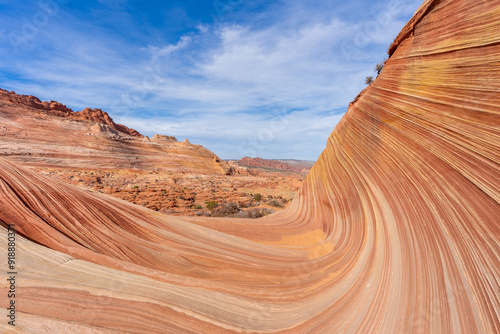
(395, 229)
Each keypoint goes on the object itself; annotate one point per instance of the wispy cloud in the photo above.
(225, 84)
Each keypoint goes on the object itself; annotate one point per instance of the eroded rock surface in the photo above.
(395, 229)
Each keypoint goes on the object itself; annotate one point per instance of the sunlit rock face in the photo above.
(50, 135)
(394, 231)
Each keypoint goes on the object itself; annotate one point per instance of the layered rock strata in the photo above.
(394, 231)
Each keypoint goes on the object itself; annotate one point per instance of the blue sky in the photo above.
(243, 78)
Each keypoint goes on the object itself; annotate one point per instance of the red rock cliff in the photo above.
(58, 109)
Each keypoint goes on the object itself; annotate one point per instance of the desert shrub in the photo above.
(257, 197)
(211, 205)
(369, 80)
(275, 203)
(245, 204)
(379, 67)
(198, 207)
(254, 213)
(225, 209)
(260, 212)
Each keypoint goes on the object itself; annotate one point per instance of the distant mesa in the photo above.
(297, 166)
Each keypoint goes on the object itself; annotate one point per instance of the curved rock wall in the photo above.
(395, 230)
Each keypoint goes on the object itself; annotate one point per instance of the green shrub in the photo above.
(257, 197)
(211, 205)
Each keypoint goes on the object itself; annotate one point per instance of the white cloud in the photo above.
(202, 28)
(158, 52)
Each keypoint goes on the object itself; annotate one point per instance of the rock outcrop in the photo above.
(394, 231)
(47, 134)
(54, 108)
(288, 165)
(102, 117)
(164, 138)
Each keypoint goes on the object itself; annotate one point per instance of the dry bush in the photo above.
(253, 213)
(276, 203)
(225, 209)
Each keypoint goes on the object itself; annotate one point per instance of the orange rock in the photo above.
(394, 231)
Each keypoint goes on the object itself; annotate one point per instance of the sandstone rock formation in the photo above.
(48, 134)
(163, 138)
(89, 150)
(102, 117)
(394, 231)
(54, 108)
